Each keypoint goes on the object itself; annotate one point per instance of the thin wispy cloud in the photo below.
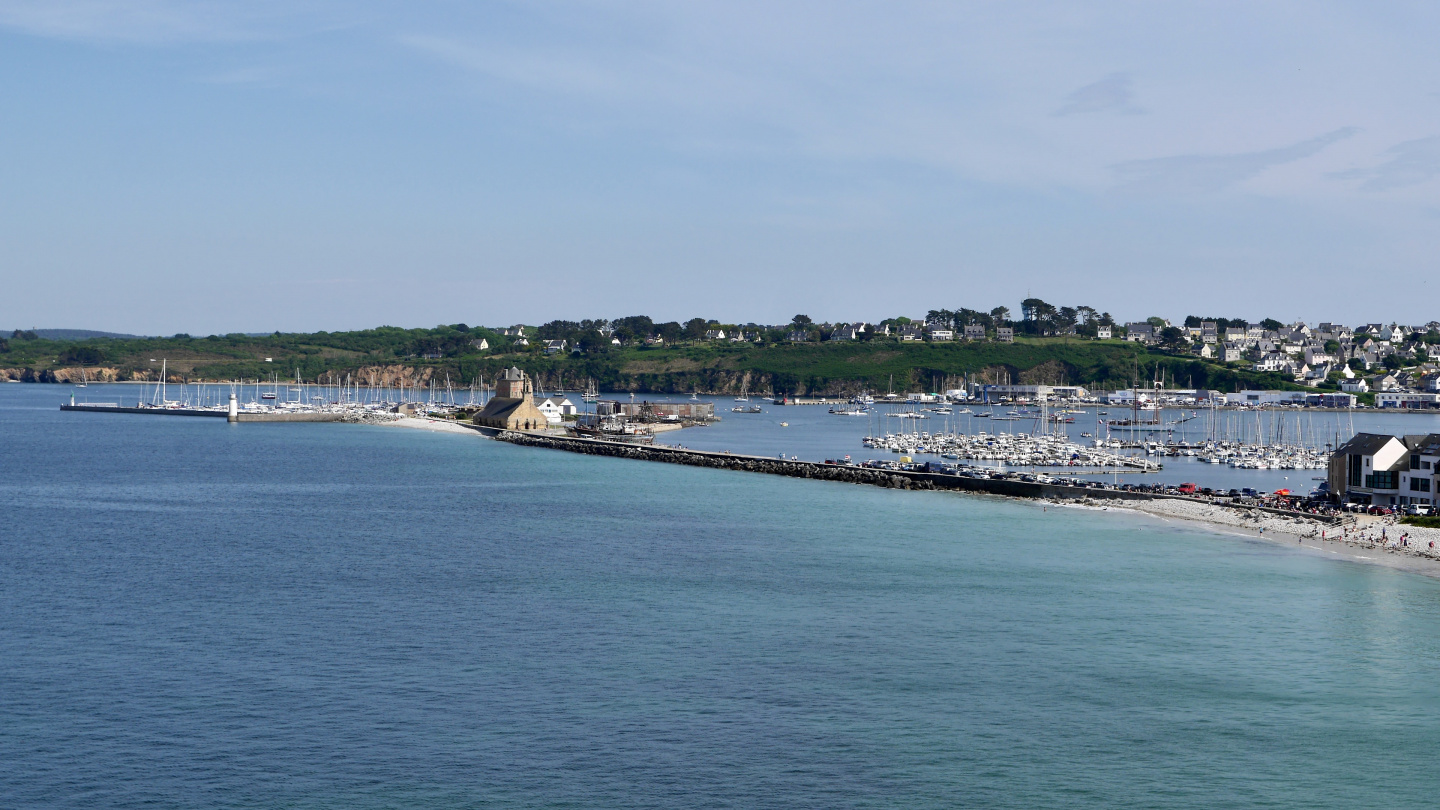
(1201, 174)
(1410, 164)
(552, 71)
(1113, 94)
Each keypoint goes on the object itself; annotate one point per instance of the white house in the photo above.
(555, 408)
(555, 346)
(1104, 332)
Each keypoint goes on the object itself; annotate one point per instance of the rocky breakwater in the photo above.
(721, 461)
(894, 479)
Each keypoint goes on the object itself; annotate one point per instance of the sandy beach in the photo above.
(1361, 539)
(438, 425)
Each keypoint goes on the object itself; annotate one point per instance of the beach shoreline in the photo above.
(1358, 542)
(1372, 543)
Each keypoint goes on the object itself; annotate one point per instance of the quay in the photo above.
(891, 479)
(236, 416)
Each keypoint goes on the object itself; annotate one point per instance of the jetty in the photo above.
(232, 414)
(845, 473)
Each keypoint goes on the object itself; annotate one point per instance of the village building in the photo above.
(974, 331)
(1140, 333)
(1103, 332)
(555, 408)
(513, 406)
(1005, 334)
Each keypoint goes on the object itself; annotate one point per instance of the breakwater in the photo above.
(242, 416)
(844, 473)
(849, 474)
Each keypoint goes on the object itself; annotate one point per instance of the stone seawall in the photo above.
(895, 479)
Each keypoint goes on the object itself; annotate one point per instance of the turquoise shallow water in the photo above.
(201, 614)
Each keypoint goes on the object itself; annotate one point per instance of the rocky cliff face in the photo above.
(62, 375)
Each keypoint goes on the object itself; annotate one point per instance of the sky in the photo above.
(212, 167)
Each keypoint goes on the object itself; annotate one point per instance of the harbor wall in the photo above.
(896, 479)
(893, 479)
(241, 417)
(289, 417)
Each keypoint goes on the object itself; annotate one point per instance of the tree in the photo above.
(1272, 325)
(1156, 321)
(1001, 315)
(1392, 362)
(1067, 317)
(1106, 319)
(557, 330)
(695, 328)
(801, 322)
(25, 335)
(1173, 338)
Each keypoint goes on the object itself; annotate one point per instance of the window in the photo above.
(1420, 484)
(1424, 465)
(1355, 471)
(1414, 462)
(1380, 480)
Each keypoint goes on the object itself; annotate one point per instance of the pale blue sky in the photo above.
(215, 166)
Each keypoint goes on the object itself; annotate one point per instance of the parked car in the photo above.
(1417, 509)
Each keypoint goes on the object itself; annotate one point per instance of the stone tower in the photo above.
(513, 384)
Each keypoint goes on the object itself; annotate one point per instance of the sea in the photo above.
(201, 614)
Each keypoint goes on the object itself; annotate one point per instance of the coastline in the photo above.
(1351, 543)
(1360, 543)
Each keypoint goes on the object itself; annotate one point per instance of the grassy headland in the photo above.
(388, 354)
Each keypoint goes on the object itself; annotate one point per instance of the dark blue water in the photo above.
(197, 614)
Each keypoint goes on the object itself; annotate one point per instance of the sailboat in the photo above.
(84, 381)
(590, 394)
(744, 394)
